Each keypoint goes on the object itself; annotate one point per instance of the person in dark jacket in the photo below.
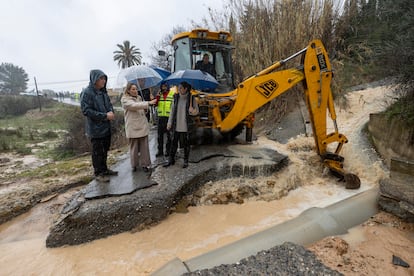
(98, 110)
(184, 105)
(206, 66)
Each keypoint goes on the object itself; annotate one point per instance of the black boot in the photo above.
(170, 162)
(186, 154)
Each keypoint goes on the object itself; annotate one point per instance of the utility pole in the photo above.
(37, 93)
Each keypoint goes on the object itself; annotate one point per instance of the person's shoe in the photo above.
(145, 169)
(185, 165)
(110, 172)
(134, 169)
(166, 154)
(102, 178)
(169, 163)
(159, 153)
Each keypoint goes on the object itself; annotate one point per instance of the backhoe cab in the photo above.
(190, 47)
(231, 108)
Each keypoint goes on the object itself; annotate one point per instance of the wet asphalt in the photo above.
(137, 200)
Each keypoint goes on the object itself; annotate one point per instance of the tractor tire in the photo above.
(236, 131)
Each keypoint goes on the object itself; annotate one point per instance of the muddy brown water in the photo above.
(203, 228)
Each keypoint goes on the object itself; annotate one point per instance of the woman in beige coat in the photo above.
(137, 127)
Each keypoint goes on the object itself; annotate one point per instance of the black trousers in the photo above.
(162, 128)
(184, 139)
(100, 148)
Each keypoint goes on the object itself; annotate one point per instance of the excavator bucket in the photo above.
(335, 164)
(352, 181)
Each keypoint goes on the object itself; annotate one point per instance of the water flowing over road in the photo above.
(206, 227)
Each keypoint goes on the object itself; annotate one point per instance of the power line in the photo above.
(62, 82)
(58, 82)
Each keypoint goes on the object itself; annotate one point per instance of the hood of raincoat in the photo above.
(94, 75)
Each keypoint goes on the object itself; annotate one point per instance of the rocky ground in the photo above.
(383, 245)
(286, 259)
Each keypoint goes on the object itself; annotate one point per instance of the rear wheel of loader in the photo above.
(232, 134)
(352, 181)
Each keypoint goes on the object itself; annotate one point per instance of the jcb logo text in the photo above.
(267, 88)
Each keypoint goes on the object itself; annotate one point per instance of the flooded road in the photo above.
(203, 228)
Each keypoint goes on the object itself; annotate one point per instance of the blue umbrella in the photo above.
(163, 72)
(198, 79)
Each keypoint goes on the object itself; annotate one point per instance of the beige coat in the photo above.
(136, 123)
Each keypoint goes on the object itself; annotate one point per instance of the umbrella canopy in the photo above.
(198, 79)
(163, 72)
(147, 76)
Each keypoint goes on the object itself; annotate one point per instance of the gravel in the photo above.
(285, 259)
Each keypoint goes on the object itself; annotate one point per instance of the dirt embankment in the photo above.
(383, 245)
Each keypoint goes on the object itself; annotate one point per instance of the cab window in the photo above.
(182, 54)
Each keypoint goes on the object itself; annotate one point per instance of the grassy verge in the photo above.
(34, 131)
(56, 132)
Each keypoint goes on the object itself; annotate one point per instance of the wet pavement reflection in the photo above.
(127, 181)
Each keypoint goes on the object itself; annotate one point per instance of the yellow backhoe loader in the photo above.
(231, 108)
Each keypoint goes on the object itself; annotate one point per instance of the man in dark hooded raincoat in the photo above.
(99, 112)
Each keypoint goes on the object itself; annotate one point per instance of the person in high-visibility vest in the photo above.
(164, 102)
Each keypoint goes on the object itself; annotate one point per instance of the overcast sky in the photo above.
(59, 41)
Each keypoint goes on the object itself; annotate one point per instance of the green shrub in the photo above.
(14, 105)
(23, 150)
(76, 142)
(50, 134)
(4, 143)
(403, 108)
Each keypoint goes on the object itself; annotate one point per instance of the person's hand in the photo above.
(168, 127)
(110, 115)
(191, 110)
(152, 102)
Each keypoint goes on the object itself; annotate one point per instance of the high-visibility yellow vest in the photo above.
(164, 106)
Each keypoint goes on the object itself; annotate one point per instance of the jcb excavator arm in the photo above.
(315, 74)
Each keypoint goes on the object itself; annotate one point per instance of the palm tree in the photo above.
(127, 55)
